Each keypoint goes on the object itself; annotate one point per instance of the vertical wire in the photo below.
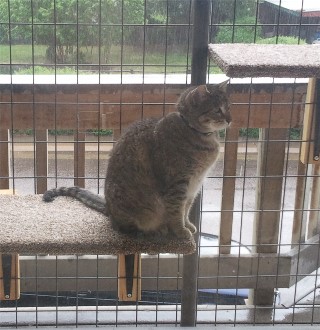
(216, 309)
(97, 288)
(210, 40)
(165, 59)
(256, 21)
(78, 132)
(244, 175)
(121, 69)
(277, 24)
(144, 56)
(78, 151)
(143, 89)
(57, 291)
(157, 287)
(178, 300)
(188, 41)
(11, 100)
(99, 96)
(55, 95)
(300, 22)
(120, 118)
(99, 145)
(37, 288)
(121, 63)
(35, 145)
(234, 20)
(199, 251)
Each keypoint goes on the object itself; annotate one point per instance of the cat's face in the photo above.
(206, 107)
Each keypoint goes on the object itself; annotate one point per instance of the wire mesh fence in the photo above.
(74, 75)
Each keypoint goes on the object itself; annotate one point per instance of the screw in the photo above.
(316, 158)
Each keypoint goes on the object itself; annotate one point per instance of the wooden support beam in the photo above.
(310, 133)
(4, 159)
(313, 224)
(301, 204)
(129, 277)
(41, 160)
(228, 189)
(271, 157)
(79, 158)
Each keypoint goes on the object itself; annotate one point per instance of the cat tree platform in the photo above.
(30, 226)
(65, 226)
(255, 60)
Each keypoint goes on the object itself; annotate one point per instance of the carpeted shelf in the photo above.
(278, 61)
(65, 226)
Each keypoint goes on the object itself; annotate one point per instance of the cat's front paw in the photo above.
(191, 227)
(185, 233)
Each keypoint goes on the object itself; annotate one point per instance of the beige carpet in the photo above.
(254, 60)
(65, 226)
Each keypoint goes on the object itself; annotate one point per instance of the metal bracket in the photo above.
(129, 274)
(129, 266)
(9, 276)
(6, 261)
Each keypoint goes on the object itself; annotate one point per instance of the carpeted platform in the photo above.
(255, 60)
(65, 226)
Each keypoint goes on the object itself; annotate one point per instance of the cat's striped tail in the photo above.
(85, 196)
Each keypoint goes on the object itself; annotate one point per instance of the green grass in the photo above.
(282, 40)
(28, 60)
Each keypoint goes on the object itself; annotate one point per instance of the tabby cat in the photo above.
(158, 165)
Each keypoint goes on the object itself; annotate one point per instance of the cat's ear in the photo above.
(195, 95)
(223, 85)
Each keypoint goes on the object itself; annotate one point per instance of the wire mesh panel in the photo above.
(76, 74)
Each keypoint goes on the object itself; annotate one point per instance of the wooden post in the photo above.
(268, 202)
(301, 205)
(310, 149)
(313, 225)
(79, 158)
(228, 189)
(4, 159)
(9, 277)
(309, 122)
(129, 277)
(41, 154)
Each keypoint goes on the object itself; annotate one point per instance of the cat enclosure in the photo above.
(74, 75)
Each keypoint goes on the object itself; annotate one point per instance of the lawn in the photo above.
(26, 59)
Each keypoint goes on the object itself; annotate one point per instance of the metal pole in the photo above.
(201, 18)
